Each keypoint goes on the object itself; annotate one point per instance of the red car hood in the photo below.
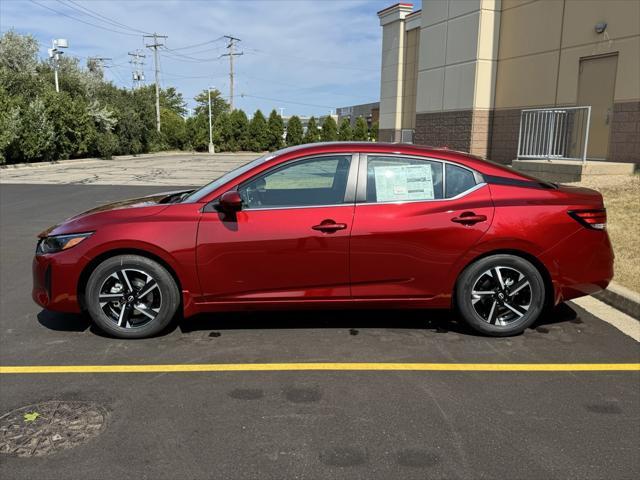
(131, 208)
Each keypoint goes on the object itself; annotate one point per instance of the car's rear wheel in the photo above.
(500, 295)
(131, 296)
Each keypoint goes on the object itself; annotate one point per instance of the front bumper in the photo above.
(55, 283)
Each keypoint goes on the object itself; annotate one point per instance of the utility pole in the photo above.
(232, 53)
(212, 148)
(54, 54)
(138, 68)
(155, 46)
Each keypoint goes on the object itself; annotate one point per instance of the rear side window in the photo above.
(394, 179)
(458, 180)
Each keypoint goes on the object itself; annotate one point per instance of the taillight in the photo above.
(596, 219)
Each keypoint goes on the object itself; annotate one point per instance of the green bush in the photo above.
(106, 145)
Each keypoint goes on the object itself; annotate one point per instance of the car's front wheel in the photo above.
(500, 295)
(131, 296)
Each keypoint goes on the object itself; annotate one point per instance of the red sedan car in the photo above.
(333, 225)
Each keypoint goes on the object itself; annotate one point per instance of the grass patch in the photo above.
(622, 199)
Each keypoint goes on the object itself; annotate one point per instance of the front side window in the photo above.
(310, 182)
(394, 179)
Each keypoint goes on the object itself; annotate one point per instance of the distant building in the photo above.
(459, 73)
(369, 111)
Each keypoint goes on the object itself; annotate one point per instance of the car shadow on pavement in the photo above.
(439, 321)
(64, 322)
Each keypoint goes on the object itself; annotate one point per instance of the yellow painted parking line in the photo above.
(358, 367)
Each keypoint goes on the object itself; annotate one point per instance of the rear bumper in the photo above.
(55, 283)
(584, 264)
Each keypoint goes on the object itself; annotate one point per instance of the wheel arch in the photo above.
(550, 291)
(98, 259)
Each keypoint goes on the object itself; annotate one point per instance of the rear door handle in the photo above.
(469, 218)
(329, 226)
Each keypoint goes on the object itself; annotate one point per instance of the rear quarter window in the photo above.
(457, 180)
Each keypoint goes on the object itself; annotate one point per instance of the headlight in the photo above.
(57, 243)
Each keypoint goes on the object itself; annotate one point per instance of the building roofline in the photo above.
(395, 5)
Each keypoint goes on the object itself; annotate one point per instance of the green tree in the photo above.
(36, 139)
(172, 100)
(295, 132)
(9, 122)
(276, 131)
(329, 129)
(360, 132)
(311, 135)
(258, 133)
(222, 133)
(75, 130)
(218, 104)
(373, 132)
(174, 129)
(345, 133)
(239, 129)
(198, 133)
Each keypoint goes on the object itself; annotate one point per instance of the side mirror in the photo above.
(230, 202)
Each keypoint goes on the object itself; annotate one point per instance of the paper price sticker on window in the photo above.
(403, 182)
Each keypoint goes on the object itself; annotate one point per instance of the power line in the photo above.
(83, 21)
(187, 58)
(232, 53)
(98, 16)
(197, 44)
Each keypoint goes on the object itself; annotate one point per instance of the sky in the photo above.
(303, 56)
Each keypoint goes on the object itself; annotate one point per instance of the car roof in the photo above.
(440, 153)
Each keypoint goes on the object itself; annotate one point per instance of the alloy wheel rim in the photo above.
(130, 297)
(501, 295)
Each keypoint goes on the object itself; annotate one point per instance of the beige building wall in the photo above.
(541, 45)
(478, 63)
(456, 74)
(392, 78)
(410, 80)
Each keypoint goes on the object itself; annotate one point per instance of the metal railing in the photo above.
(406, 135)
(554, 133)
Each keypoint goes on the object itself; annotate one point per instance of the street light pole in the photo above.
(212, 148)
(54, 54)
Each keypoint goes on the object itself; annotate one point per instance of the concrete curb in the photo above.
(621, 298)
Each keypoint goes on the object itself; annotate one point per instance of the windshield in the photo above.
(202, 192)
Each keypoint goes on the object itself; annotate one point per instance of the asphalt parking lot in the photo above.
(312, 424)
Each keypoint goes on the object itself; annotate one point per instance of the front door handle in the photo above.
(469, 218)
(329, 226)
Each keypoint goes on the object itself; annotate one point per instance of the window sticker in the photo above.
(403, 182)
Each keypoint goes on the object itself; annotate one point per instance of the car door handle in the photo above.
(469, 218)
(329, 226)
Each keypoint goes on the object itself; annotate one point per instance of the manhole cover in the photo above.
(48, 427)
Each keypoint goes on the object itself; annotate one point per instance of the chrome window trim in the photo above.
(400, 202)
(351, 204)
(364, 160)
(350, 189)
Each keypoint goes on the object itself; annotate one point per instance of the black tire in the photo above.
(509, 295)
(119, 305)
